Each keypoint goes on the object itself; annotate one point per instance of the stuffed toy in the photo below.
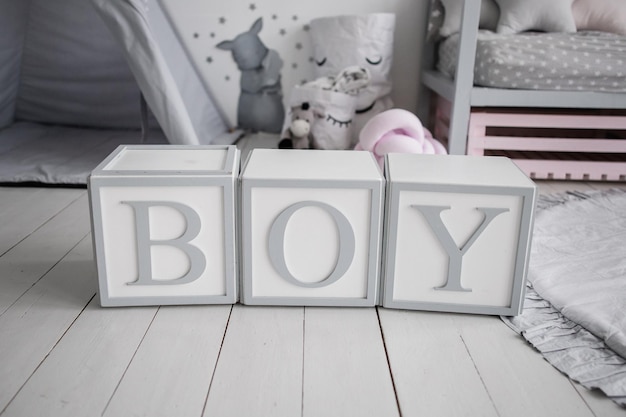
(260, 107)
(362, 40)
(397, 130)
(336, 98)
(298, 134)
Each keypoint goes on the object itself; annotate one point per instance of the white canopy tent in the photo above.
(70, 85)
(165, 74)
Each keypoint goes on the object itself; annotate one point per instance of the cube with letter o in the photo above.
(311, 228)
(457, 233)
(164, 222)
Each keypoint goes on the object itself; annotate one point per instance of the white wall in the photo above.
(201, 24)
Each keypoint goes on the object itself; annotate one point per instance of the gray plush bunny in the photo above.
(260, 106)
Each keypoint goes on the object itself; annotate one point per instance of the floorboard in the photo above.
(50, 242)
(36, 322)
(171, 371)
(61, 354)
(87, 363)
(426, 350)
(259, 370)
(515, 375)
(598, 402)
(345, 366)
(23, 210)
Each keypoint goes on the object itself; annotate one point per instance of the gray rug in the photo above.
(575, 307)
(59, 155)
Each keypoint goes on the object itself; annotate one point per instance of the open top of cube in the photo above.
(311, 165)
(461, 170)
(140, 160)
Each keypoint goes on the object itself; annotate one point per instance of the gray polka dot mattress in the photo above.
(581, 61)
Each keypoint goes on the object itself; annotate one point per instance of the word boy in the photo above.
(182, 225)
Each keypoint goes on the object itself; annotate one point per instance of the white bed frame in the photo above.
(462, 97)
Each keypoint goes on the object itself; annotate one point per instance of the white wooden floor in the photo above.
(61, 354)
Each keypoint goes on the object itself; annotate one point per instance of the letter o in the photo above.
(276, 243)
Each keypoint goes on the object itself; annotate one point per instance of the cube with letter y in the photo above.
(311, 228)
(458, 233)
(163, 222)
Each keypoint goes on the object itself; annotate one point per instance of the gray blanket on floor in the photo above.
(575, 310)
(49, 154)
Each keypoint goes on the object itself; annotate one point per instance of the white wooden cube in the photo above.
(163, 221)
(458, 232)
(311, 228)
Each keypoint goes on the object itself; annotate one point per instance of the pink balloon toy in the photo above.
(397, 130)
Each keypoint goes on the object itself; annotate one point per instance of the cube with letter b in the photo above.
(458, 233)
(164, 222)
(311, 228)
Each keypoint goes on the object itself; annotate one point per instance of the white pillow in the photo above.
(602, 15)
(453, 10)
(543, 15)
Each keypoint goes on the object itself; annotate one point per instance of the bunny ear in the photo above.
(257, 26)
(225, 45)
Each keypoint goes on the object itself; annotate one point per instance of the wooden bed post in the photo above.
(459, 90)
(577, 154)
(464, 78)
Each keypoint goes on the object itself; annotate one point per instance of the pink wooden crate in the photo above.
(561, 144)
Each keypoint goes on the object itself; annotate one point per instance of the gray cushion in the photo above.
(453, 11)
(543, 15)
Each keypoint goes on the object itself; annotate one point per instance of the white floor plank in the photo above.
(171, 372)
(433, 372)
(59, 358)
(520, 382)
(32, 326)
(345, 366)
(259, 371)
(30, 259)
(598, 403)
(23, 212)
(81, 373)
(13, 198)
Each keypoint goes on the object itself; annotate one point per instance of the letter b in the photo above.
(197, 260)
